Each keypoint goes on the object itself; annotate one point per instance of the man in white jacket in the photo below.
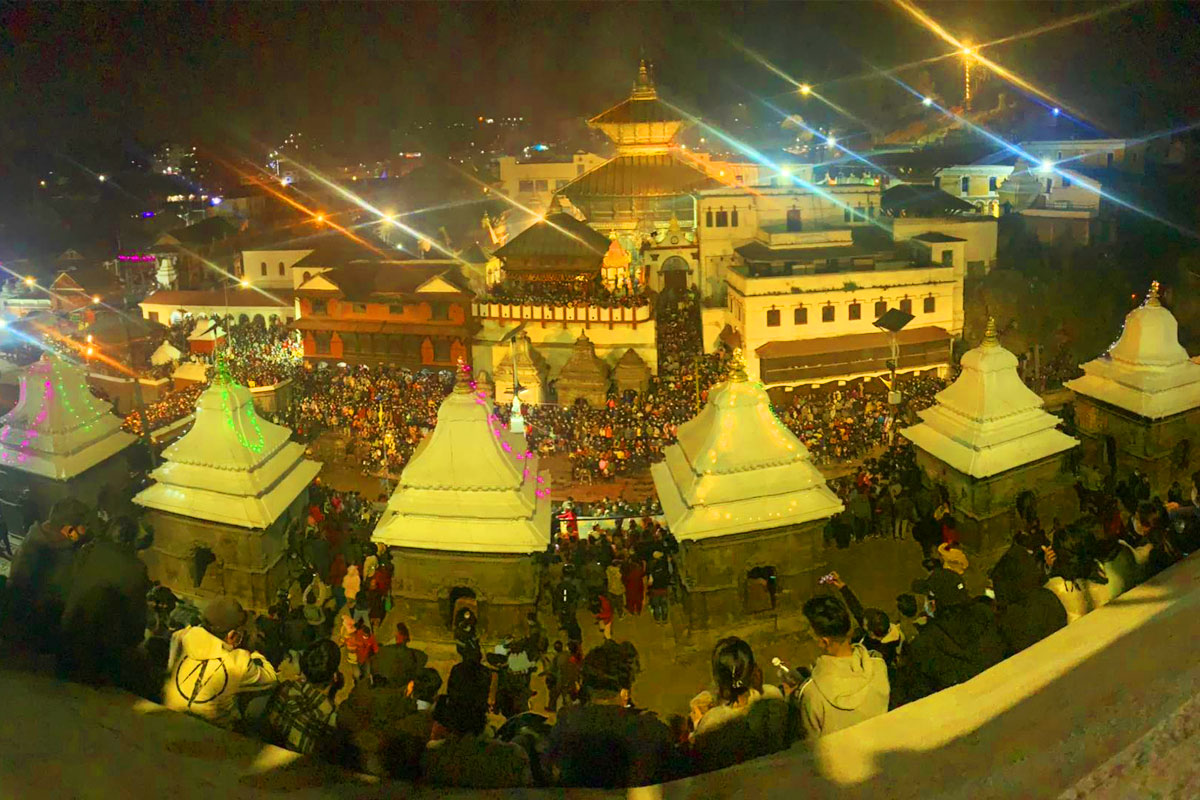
(208, 668)
(848, 683)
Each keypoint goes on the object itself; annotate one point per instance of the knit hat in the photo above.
(953, 558)
(946, 587)
(222, 615)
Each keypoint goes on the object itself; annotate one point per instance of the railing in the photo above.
(548, 313)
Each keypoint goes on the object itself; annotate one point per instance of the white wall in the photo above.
(979, 232)
(253, 261)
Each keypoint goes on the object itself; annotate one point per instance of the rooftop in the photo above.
(560, 236)
(237, 297)
(660, 174)
(367, 280)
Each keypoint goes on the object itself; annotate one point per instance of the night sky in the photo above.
(352, 74)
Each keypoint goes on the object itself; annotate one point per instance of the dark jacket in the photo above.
(957, 643)
(40, 577)
(1029, 621)
(608, 746)
(399, 663)
(765, 728)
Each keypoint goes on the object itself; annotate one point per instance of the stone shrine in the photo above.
(631, 373)
(530, 374)
(468, 518)
(583, 376)
(991, 444)
(1138, 405)
(748, 507)
(223, 499)
(60, 440)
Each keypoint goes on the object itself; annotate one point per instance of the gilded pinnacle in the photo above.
(737, 366)
(990, 337)
(1152, 298)
(462, 381)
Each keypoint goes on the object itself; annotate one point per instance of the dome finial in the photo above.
(1152, 297)
(737, 366)
(991, 338)
(643, 86)
(462, 380)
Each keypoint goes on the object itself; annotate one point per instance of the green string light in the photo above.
(224, 381)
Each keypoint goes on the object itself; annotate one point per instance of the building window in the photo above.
(937, 182)
(965, 184)
(722, 219)
(880, 308)
(794, 223)
(263, 268)
(153, 316)
(396, 309)
(525, 187)
(708, 219)
(772, 317)
(930, 305)
(906, 306)
(282, 269)
(827, 314)
(1066, 182)
(439, 311)
(858, 212)
(1058, 156)
(733, 220)
(871, 211)
(441, 350)
(319, 306)
(542, 186)
(305, 278)
(322, 339)
(846, 214)
(800, 316)
(855, 311)
(992, 183)
(358, 308)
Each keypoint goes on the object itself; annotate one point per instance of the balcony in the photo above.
(565, 314)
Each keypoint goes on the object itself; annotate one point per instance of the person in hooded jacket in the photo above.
(848, 684)
(1026, 612)
(960, 640)
(41, 572)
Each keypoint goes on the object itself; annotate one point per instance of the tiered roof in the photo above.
(736, 468)
(471, 486)
(231, 467)
(584, 375)
(58, 428)
(988, 421)
(1147, 371)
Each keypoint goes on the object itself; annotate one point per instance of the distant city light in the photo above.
(831, 142)
(928, 101)
(95, 298)
(43, 183)
(805, 89)
(1056, 112)
(216, 201)
(147, 214)
(102, 178)
(966, 51)
(320, 217)
(541, 148)
(89, 338)
(91, 350)
(29, 281)
(1047, 165)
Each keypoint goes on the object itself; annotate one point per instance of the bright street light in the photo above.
(245, 284)
(1056, 112)
(928, 101)
(103, 178)
(95, 298)
(320, 217)
(831, 142)
(1047, 165)
(805, 89)
(29, 280)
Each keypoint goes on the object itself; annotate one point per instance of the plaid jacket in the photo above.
(301, 716)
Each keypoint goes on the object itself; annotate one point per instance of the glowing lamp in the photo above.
(1056, 112)
(29, 280)
(95, 298)
(831, 142)
(216, 201)
(102, 178)
(320, 217)
(805, 89)
(1047, 165)
(245, 284)
(89, 338)
(91, 350)
(966, 51)
(927, 102)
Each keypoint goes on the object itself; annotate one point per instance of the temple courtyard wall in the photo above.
(1163, 450)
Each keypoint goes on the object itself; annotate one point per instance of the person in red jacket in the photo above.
(360, 647)
(602, 610)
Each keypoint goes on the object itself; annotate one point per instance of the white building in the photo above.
(533, 181)
(1119, 154)
(804, 311)
(978, 184)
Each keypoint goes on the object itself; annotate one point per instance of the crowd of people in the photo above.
(165, 411)
(320, 673)
(566, 292)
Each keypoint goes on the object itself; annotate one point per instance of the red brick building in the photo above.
(405, 313)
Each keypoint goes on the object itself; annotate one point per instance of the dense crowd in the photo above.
(383, 411)
(171, 408)
(322, 674)
(564, 293)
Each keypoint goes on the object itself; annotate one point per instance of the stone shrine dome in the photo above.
(736, 468)
(988, 421)
(1147, 371)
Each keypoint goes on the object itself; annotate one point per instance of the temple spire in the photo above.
(737, 366)
(462, 378)
(644, 85)
(990, 336)
(1152, 297)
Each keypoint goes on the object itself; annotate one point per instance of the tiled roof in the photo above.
(853, 341)
(635, 110)
(234, 298)
(640, 175)
(559, 235)
(363, 280)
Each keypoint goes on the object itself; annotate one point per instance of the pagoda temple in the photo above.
(530, 375)
(992, 445)
(631, 373)
(468, 517)
(61, 440)
(556, 254)
(747, 505)
(650, 179)
(1138, 405)
(223, 499)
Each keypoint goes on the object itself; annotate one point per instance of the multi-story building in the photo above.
(533, 181)
(978, 184)
(412, 313)
(804, 310)
(1120, 154)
